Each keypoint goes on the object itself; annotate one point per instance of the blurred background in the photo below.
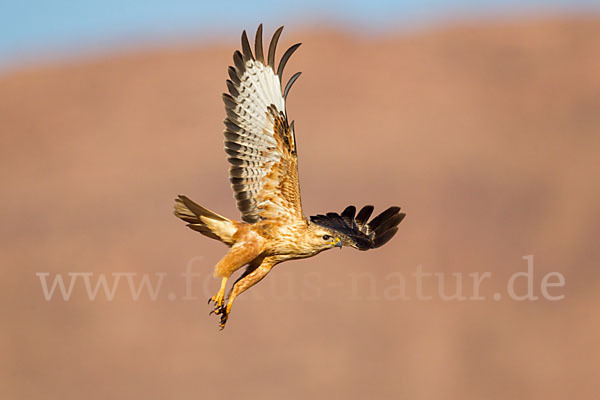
(480, 119)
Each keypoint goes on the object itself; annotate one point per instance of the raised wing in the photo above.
(356, 231)
(258, 139)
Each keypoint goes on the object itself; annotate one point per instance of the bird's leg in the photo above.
(219, 298)
(245, 282)
(238, 256)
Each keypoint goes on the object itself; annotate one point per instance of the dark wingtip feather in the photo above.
(375, 222)
(246, 50)
(228, 100)
(231, 87)
(233, 75)
(288, 86)
(348, 214)
(258, 45)
(389, 223)
(363, 215)
(238, 60)
(284, 59)
(380, 240)
(272, 47)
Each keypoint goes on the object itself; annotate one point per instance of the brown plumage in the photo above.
(261, 148)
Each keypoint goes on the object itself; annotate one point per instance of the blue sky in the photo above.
(38, 28)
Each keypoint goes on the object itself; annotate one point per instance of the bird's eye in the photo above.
(326, 237)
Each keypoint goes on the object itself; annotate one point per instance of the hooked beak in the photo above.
(338, 242)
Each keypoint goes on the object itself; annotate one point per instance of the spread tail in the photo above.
(205, 221)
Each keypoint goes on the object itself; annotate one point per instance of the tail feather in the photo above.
(206, 222)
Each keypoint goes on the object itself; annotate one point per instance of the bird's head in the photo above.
(321, 238)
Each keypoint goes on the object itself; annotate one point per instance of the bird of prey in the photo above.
(261, 147)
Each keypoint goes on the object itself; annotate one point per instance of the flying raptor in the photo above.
(261, 147)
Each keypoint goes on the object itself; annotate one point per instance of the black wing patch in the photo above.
(356, 231)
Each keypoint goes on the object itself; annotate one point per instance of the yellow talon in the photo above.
(219, 298)
(225, 314)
